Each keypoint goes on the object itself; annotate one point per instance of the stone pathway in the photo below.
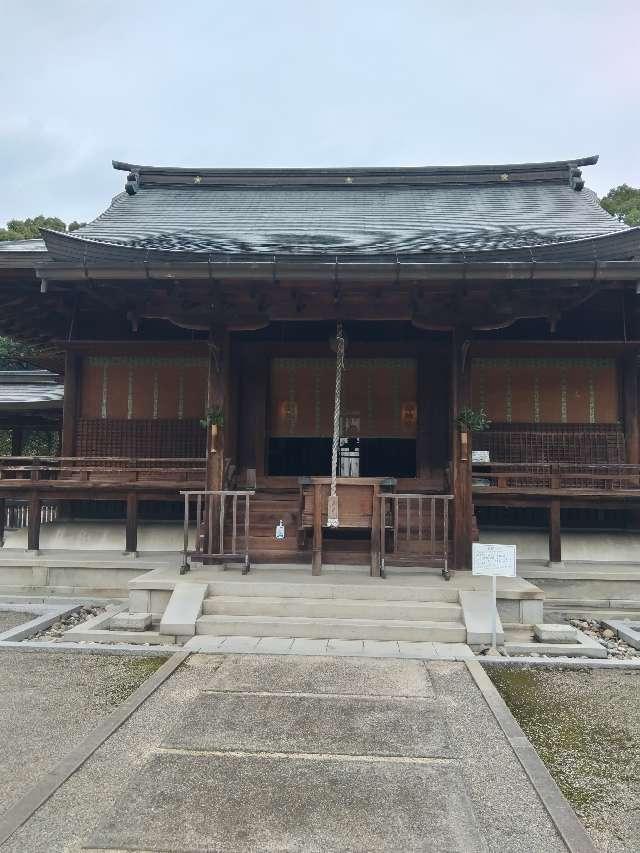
(301, 753)
(351, 648)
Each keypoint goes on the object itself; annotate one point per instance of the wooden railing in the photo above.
(557, 476)
(16, 515)
(107, 470)
(419, 521)
(46, 479)
(215, 528)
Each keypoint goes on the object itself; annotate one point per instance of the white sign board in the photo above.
(493, 560)
(480, 457)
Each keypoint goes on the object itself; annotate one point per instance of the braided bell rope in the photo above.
(332, 517)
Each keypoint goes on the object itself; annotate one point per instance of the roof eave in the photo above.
(356, 272)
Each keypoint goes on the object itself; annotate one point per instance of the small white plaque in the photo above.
(480, 457)
(493, 560)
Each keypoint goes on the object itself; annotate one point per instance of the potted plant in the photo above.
(470, 420)
(213, 420)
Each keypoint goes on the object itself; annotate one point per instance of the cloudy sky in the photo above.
(307, 83)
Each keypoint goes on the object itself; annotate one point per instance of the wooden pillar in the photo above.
(70, 404)
(631, 412)
(3, 519)
(555, 534)
(217, 397)
(131, 536)
(316, 558)
(33, 531)
(461, 450)
(375, 532)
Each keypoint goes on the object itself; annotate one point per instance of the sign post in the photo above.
(493, 560)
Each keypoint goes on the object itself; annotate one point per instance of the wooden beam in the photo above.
(131, 536)
(70, 404)
(555, 536)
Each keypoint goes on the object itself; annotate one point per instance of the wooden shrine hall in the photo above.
(316, 366)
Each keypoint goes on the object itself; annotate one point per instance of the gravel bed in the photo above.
(49, 701)
(57, 630)
(615, 647)
(585, 725)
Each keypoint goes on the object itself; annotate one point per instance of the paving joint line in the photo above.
(306, 695)
(24, 808)
(371, 758)
(564, 818)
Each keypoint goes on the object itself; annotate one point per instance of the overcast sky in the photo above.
(306, 83)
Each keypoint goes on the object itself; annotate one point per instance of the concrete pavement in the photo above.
(247, 752)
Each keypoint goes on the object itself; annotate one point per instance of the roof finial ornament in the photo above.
(131, 185)
(575, 178)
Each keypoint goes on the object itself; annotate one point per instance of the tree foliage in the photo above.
(623, 202)
(17, 354)
(29, 229)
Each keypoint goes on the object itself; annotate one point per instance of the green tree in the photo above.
(29, 229)
(623, 202)
(15, 354)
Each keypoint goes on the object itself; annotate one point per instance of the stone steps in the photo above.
(335, 628)
(375, 590)
(345, 608)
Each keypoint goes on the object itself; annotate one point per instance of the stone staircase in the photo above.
(341, 611)
(283, 601)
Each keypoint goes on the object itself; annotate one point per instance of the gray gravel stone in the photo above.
(48, 702)
(585, 725)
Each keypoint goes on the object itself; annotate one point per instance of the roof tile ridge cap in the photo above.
(335, 170)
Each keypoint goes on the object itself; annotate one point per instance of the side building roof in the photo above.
(531, 211)
(30, 390)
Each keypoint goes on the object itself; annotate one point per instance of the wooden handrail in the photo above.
(438, 548)
(209, 502)
(562, 476)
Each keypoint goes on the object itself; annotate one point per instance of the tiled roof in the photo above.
(22, 390)
(479, 211)
(22, 246)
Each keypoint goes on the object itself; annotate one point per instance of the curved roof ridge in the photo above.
(496, 168)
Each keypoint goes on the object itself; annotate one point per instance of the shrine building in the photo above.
(353, 366)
